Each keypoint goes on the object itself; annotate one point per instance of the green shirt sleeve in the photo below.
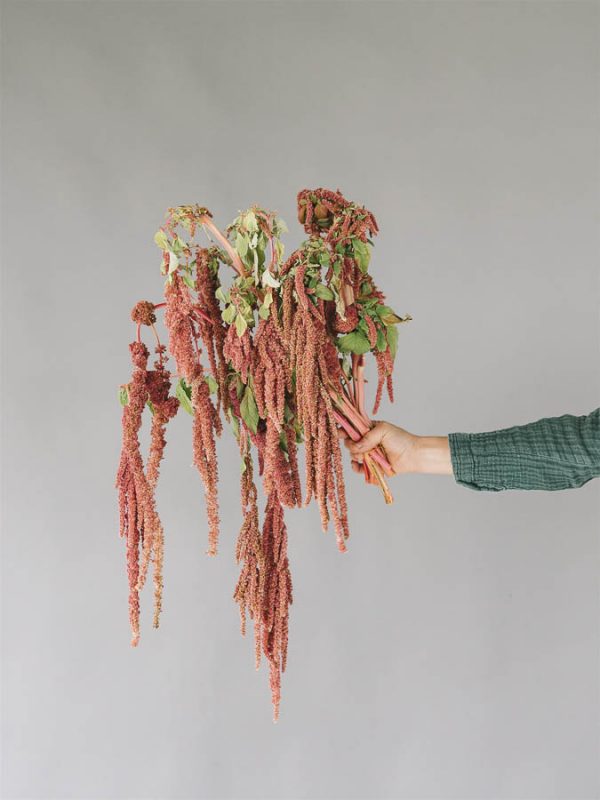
(552, 453)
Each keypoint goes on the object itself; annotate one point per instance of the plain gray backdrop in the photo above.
(453, 652)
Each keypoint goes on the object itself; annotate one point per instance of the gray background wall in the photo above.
(454, 651)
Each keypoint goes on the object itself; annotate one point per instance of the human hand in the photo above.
(405, 451)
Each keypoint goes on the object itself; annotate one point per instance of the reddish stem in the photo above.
(353, 422)
(343, 423)
(225, 244)
(155, 334)
(350, 411)
(358, 375)
(203, 314)
(199, 311)
(376, 472)
(272, 267)
(371, 469)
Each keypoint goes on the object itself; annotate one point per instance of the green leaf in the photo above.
(220, 295)
(228, 314)
(324, 292)
(239, 387)
(178, 245)
(235, 424)
(250, 222)
(382, 310)
(150, 406)
(173, 262)
(279, 226)
(241, 244)
(381, 340)
(183, 392)
(388, 316)
(279, 249)
(124, 396)
(212, 384)
(324, 258)
(283, 442)
(354, 342)
(244, 306)
(249, 411)
(160, 238)
(362, 254)
(392, 337)
(189, 281)
(268, 279)
(263, 311)
(240, 325)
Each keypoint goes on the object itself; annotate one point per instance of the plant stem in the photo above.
(271, 242)
(353, 418)
(369, 460)
(225, 244)
(203, 314)
(351, 412)
(155, 334)
(387, 495)
(358, 375)
(343, 423)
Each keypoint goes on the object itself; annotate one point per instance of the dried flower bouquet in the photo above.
(276, 349)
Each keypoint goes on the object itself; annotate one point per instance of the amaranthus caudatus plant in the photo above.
(275, 348)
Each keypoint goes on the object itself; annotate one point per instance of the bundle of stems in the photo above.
(277, 350)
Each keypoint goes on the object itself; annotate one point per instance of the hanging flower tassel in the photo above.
(140, 522)
(277, 596)
(249, 590)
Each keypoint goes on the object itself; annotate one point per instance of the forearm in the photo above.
(430, 455)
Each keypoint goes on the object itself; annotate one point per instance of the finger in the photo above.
(370, 440)
(349, 443)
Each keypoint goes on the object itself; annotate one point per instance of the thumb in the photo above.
(371, 439)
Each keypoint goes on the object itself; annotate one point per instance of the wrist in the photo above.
(431, 455)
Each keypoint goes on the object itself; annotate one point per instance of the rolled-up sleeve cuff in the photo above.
(463, 463)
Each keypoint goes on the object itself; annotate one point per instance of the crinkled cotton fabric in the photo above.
(549, 454)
